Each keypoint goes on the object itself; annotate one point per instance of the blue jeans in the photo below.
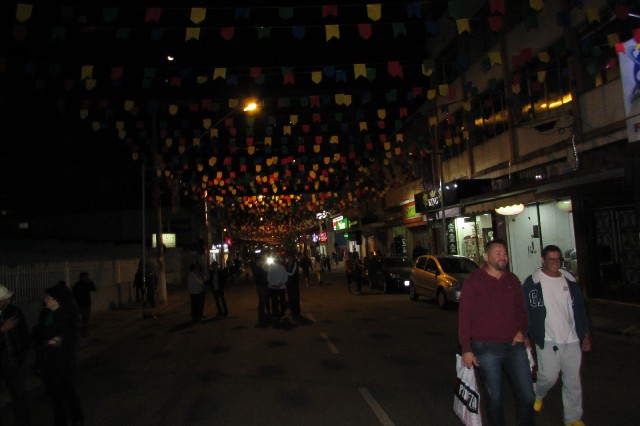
(493, 359)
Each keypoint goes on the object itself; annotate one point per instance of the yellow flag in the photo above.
(347, 100)
(316, 148)
(192, 33)
(544, 56)
(286, 130)
(463, 25)
(399, 137)
(95, 126)
(206, 123)
(360, 70)
(316, 76)
(536, 5)
(339, 98)
(382, 114)
(363, 125)
(173, 109)
(201, 79)
(431, 94)
(90, 83)
(23, 12)
(86, 72)
(613, 38)
(332, 31)
(119, 124)
(251, 150)
(387, 146)
(495, 58)
(220, 73)
(466, 106)
(168, 142)
(443, 90)
(593, 15)
(334, 139)
(198, 14)
(84, 113)
(293, 119)
(374, 11)
(128, 105)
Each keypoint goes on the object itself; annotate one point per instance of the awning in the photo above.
(488, 205)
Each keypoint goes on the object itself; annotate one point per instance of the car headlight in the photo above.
(270, 260)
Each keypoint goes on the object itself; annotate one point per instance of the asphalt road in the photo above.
(373, 359)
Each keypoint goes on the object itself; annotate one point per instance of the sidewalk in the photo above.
(617, 318)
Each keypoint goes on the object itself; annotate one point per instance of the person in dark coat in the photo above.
(217, 281)
(55, 341)
(293, 285)
(14, 342)
(260, 279)
(82, 293)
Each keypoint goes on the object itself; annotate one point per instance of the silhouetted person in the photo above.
(82, 293)
(195, 286)
(217, 281)
(55, 340)
(14, 342)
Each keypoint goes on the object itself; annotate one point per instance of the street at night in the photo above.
(358, 360)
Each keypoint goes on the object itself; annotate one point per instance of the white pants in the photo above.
(567, 359)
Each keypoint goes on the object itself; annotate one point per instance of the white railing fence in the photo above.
(113, 279)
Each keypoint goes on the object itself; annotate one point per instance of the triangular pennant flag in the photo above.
(495, 58)
(536, 5)
(593, 14)
(463, 26)
(264, 32)
(193, 33)
(374, 11)
(198, 14)
(219, 73)
(109, 14)
(360, 70)
(285, 12)
(298, 32)
(332, 31)
(23, 12)
(395, 69)
(399, 28)
(153, 14)
(228, 33)
(329, 11)
(364, 30)
(496, 23)
(496, 6)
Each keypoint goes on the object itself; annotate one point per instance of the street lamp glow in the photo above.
(251, 107)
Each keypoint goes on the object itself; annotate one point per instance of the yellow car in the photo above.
(440, 277)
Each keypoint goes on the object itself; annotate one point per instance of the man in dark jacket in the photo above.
(559, 328)
(82, 293)
(217, 281)
(14, 341)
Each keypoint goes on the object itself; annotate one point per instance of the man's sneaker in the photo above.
(576, 423)
(537, 406)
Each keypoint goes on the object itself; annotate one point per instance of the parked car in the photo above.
(440, 277)
(390, 273)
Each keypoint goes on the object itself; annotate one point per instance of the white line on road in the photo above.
(377, 409)
(329, 343)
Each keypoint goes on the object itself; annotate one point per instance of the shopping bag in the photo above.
(466, 399)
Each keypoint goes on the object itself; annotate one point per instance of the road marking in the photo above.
(377, 409)
(329, 343)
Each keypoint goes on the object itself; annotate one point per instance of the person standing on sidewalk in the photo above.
(559, 328)
(217, 282)
(195, 286)
(14, 342)
(55, 339)
(492, 321)
(293, 285)
(82, 293)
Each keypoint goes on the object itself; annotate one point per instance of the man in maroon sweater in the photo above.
(492, 321)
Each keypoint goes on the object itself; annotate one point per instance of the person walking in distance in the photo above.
(217, 281)
(492, 322)
(14, 342)
(82, 293)
(195, 286)
(559, 329)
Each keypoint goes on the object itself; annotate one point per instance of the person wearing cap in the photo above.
(14, 342)
(55, 339)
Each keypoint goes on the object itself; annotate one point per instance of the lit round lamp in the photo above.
(565, 206)
(510, 210)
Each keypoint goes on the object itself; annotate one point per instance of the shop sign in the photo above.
(340, 223)
(409, 213)
(168, 240)
(427, 200)
(628, 55)
(322, 237)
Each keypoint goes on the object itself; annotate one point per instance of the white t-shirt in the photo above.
(559, 324)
